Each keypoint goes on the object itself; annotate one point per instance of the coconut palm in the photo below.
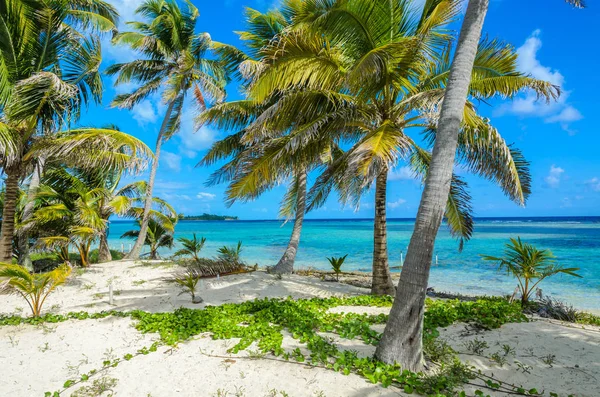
(34, 288)
(401, 341)
(367, 93)
(48, 70)
(74, 207)
(529, 265)
(123, 201)
(251, 152)
(174, 61)
(69, 213)
(160, 234)
(191, 247)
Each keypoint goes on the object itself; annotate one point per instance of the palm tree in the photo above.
(174, 62)
(48, 70)
(191, 247)
(160, 234)
(367, 93)
(256, 164)
(402, 339)
(34, 288)
(529, 265)
(126, 201)
(69, 213)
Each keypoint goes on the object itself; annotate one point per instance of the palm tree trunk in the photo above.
(134, 254)
(23, 237)
(11, 186)
(402, 340)
(286, 263)
(382, 279)
(104, 254)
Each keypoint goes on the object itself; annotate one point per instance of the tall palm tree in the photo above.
(255, 165)
(402, 339)
(48, 70)
(175, 62)
(367, 94)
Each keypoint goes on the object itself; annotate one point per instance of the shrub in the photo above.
(34, 288)
(336, 264)
(188, 280)
(230, 254)
(191, 247)
(529, 265)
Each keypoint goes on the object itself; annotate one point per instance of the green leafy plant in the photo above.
(230, 254)
(191, 247)
(336, 264)
(159, 235)
(188, 280)
(34, 288)
(529, 265)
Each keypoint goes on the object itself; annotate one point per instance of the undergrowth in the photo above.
(260, 323)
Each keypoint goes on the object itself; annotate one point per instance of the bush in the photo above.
(34, 288)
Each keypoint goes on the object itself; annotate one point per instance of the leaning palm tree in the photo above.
(48, 70)
(402, 339)
(175, 62)
(160, 235)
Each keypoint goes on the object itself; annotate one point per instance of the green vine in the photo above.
(262, 322)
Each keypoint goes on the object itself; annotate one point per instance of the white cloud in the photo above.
(203, 196)
(528, 62)
(554, 176)
(594, 184)
(395, 204)
(568, 114)
(145, 112)
(401, 174)
(558, 111)
(172, 161)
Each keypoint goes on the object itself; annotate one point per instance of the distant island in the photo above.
(207, 217)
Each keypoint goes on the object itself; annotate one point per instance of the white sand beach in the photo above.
(563, 358)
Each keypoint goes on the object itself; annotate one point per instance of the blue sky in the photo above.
(559, 139)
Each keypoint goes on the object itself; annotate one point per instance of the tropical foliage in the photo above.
(174, 62)
(159, 235)
(345, 74)
(191, 247)
(34, 288)
(336, 264)
(529, 265)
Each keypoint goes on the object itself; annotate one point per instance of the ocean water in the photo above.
(574, 241)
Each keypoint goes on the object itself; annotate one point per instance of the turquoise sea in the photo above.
(574, 241)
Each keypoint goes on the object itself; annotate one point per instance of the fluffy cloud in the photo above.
(172, 161)
(395, 204)
(559, 111)
(401, 174)
(145, 112)
(594, 184)
(203, 196)
(554, 176)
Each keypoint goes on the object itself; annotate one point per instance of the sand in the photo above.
(36, 359)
